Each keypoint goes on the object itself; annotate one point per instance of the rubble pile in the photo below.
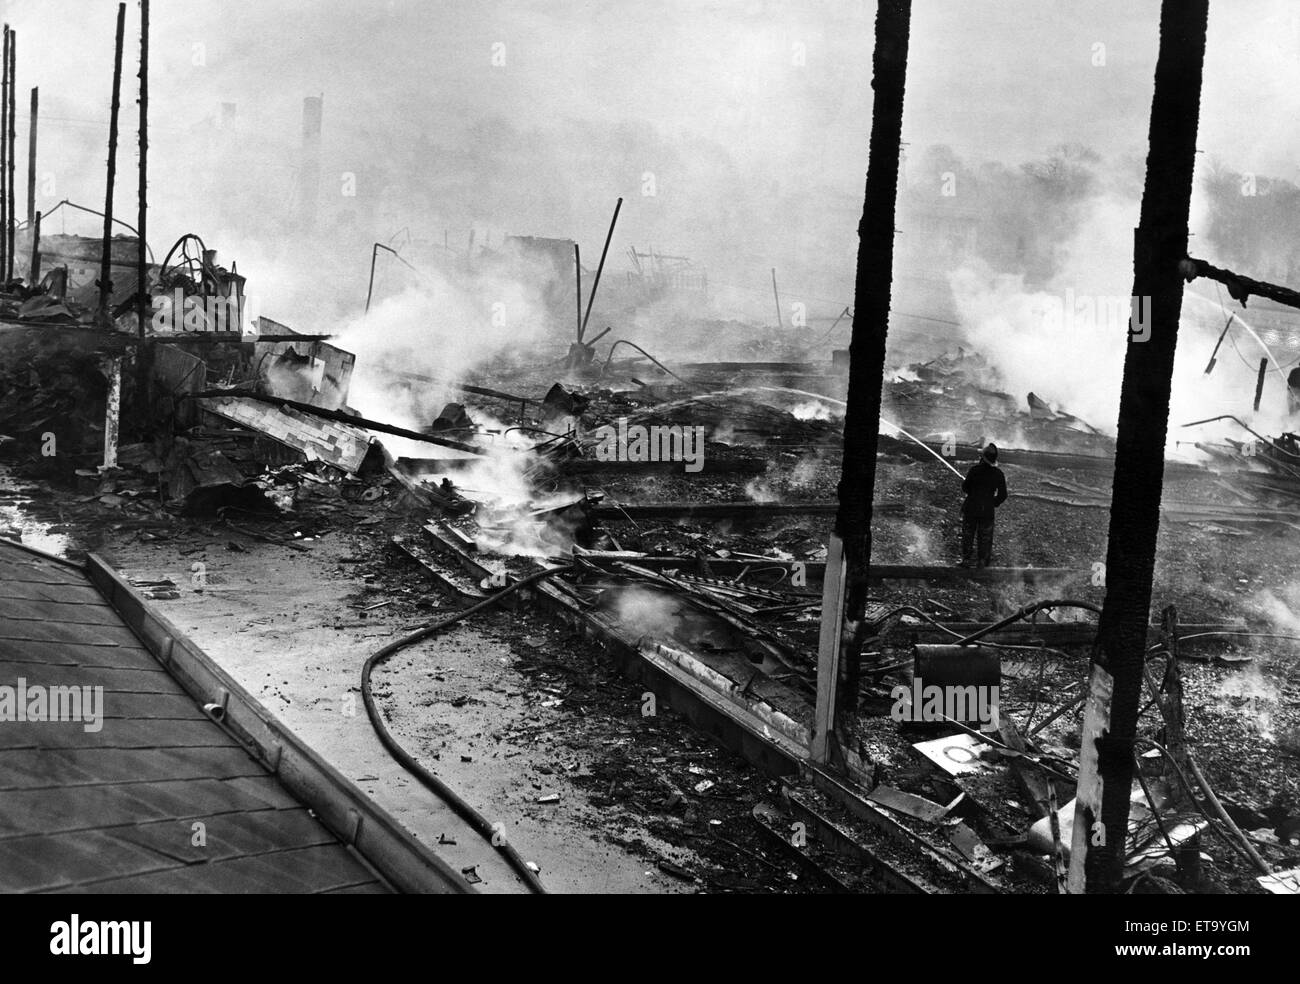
(51, 383)
(680, 513)
(948, 398)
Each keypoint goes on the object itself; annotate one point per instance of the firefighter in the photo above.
(986, 489)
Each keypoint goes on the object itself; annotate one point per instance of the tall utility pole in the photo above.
(4, 155)
(31, 156)
(105, 268)
(1159, 245)
(842, 624)
(13, 154)
(141, 255)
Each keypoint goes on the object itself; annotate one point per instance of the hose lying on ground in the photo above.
(445, 792)
(1025, 612)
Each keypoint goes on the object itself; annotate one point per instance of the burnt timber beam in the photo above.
(1240, 287)
(873, 285)
(1119, 657)
(339, 417)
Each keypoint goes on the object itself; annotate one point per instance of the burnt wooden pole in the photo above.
(872, 286)
(141, 254)
(13, 154)
(31, 155)
(105, 267)
(4, 155)
(1159, 245)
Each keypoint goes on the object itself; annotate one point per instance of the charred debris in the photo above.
(678, 511)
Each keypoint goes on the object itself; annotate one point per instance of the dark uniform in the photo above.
(986, 489)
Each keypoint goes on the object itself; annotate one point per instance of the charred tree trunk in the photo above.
(1160, 243)
(872, 286)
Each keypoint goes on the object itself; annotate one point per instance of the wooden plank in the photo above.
(1096, 721)
(828, 652)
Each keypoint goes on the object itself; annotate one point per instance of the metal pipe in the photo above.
(374, 252)
(92, 211)
(624, 341)
(577, 279)
(599, 267)
(370, 290)
(1209, 366)
(1025, 612)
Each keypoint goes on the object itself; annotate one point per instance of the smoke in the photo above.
(438, 329)
(736, 133)
(528, 531)
(919, 545)
(1281, 608)
(1065, 341)
(1261, 694)
(773, 486)
(647, 613)
(812, 410)
(1071, 356)
(1280, 611)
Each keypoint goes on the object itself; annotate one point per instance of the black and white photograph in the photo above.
(672, 447)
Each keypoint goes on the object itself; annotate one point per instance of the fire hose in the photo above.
(443, 791)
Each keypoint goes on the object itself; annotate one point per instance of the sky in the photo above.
(735, 131)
